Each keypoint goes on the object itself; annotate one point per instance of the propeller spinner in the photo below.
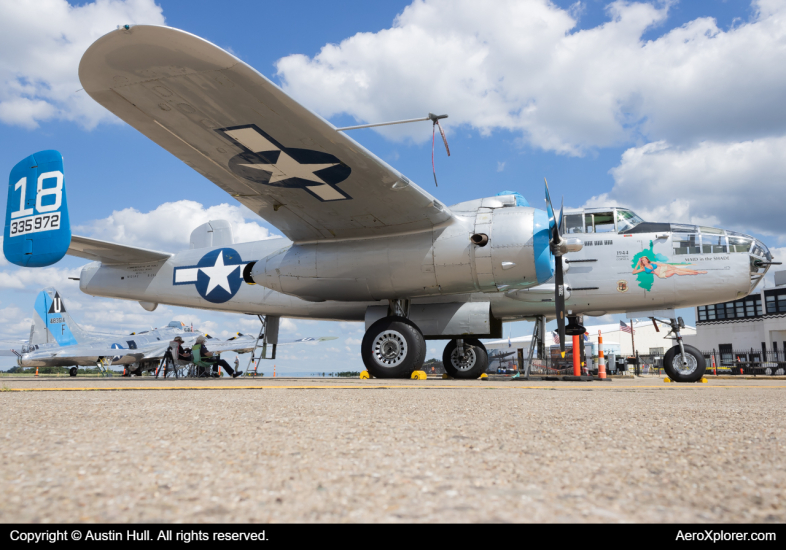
(559, 247)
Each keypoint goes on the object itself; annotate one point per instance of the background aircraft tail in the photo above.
(37, 229)
(53, 323)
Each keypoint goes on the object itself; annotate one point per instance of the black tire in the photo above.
(697, 364)
(476, 359)
(392, 348)
(72, 371)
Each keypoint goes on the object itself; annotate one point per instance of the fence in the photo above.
(735, 362)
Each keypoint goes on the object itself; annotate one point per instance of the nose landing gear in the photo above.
(683, 363)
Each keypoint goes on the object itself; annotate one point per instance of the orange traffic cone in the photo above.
(274, 371)
(36, 371)
(219, 371)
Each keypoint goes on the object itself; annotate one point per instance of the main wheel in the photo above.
(392, 348)
(690, 371)
(72, 371)
(472, 365)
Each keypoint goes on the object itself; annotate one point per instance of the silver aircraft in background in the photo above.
(363, 242)
(56, 340)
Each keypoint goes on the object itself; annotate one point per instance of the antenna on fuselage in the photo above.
(435, 124)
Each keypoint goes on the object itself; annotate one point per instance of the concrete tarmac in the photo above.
(349, 450)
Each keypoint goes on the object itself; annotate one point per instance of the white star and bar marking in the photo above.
(286, 167)
(218, 274)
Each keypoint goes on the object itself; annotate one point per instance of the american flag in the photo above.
(626, 328)
(586, 337)
(555, 336)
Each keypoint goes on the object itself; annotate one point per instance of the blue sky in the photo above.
(671, 108)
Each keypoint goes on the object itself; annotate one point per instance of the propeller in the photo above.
(559, 282)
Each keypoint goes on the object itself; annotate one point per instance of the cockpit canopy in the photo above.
(602, 220)
(686, 239)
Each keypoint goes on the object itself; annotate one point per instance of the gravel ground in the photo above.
(427, 451)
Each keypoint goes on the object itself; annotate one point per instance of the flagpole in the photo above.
(632, 340)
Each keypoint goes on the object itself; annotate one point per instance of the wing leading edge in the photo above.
(242, 132)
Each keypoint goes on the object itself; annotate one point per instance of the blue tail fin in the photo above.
(51, 321)
(37, 230)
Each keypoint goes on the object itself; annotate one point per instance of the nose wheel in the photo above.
(687, 367)
(393, 347)
(466, 358)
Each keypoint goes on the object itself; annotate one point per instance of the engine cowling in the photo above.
(512, 252)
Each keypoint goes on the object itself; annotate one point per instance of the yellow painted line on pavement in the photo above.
(391, 386)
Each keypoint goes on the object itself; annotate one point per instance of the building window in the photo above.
(726, 354)
(702, 313)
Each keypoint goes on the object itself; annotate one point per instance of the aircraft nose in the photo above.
(760, 255)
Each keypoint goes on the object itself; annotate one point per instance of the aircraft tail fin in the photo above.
(37, 229)
(53, 323)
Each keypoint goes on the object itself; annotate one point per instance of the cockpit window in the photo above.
(573, 224)
(627, 220)
(604, 222)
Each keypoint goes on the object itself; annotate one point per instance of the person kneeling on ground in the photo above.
(207, 357)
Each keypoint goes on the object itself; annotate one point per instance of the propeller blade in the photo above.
(559, 302)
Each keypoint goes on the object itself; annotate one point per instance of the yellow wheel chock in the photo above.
(446, 376)
(484, 376)
(365, 375)
(418, 375)
(667, 380)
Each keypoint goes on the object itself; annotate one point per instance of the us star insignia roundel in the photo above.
(267, 162)
(217, 276)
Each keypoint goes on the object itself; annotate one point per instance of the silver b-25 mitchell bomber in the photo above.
(363, 242)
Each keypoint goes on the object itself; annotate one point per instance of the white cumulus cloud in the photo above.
(518, 65)
(169, 226)
(734, 185)
(42, 43)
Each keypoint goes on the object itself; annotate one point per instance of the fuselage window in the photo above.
(739, 244)
(685, 243)
(574, 224)
(604, 222)
(713, 244)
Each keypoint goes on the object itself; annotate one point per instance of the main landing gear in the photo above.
(465, 358)
(683, 363)
(394, 346)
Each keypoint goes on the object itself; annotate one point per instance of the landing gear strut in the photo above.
(393, 347)
(683, 363)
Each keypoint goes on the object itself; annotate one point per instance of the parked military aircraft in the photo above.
(363, 241)
(56, 340)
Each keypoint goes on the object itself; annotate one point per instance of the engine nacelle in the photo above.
(512, 251)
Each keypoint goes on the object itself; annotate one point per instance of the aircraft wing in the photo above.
(245, 344)
(87, 351)
(111, 253)
(242, 132)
